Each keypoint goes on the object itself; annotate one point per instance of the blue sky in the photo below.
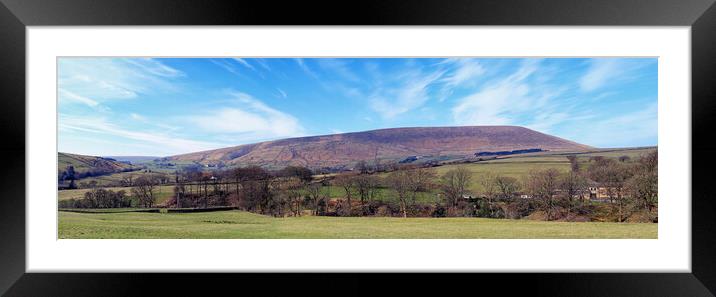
(161, 107)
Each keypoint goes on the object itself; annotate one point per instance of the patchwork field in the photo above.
(239, 224)
(123, 223)
(163, 193)
(514, 166)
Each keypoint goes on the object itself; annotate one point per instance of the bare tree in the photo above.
(423, 179)
(253, 188)
(573, 184)
(454, 184)
(408, 182)
(205, 180)
(127, 180)
(143, 189)
(489, 190)
(318, 194)
(304, 174)
(366, 186)
(644, 184)
(506, 186)
(543, 185)
(346, 182)
(573, 162)
(401, 182)
(612, 175)
(291, 192)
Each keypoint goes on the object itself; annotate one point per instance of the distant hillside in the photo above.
(396, 143)
(133, 159)
(89, 165)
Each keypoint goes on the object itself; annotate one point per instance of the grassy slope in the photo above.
(83, 163)
(238, 224)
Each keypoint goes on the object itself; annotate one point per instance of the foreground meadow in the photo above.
(240, 224)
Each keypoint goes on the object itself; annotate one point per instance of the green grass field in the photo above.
(239, 224)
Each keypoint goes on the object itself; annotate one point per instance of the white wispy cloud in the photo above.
(282, 93)
(404, 89)
(339, 67)
(67, 96)
(153, 123)
(499, 101)
(248, 119)
(599, 72)
(630, 129)
(410, 93)
(154, 67)
(410, 88)
(264, 67)
(263, 64)
(226, 66)
(462, 73)
(106, 79)
(604, 72)
(137, 117)
(404, 92)
(104, 127)
(307, 69)
(465, 73)
(244, 63)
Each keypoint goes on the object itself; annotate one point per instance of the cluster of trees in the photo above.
(99, 198)
(280, 193)
(629, 187)
(549, 194)
(143, 194)
(144, 190)
(70, 175)
(129, 180)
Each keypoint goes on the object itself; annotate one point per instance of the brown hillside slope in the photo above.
(341, 149)
(83, 164)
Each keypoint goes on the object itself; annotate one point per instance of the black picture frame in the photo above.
(16, 15)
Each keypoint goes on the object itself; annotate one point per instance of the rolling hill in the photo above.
(90, 165)
(395, 143)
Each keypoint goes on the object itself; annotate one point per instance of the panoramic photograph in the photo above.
(357, 148)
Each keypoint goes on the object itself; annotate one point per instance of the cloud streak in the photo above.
(244, 63)
(67, 96)
(100, 126)
(600, 70)
(500, 102)
(306, 69)
(104, 79)
(410, 93)
(636, 128)
(249, 118)
(608, 72)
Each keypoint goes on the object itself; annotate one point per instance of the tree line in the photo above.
(630, 188)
